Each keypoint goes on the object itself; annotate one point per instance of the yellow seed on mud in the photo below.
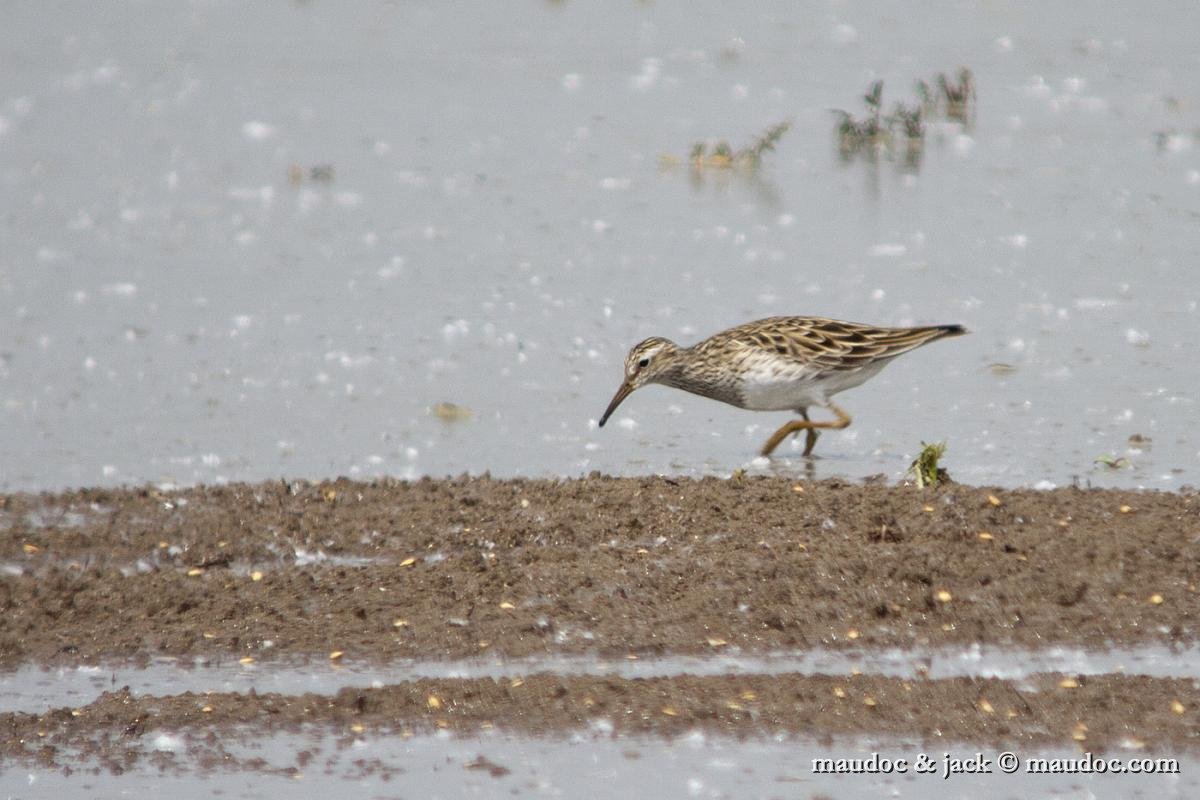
(995, 501)
(400, 623)
(507, 606)
(408, 562)
(207, 709)
(670, 712)
(209, 635)
(1079, 736)
(194, 571)
(839, 693)
(987, 537)
(631, 657)
(798, 489)
(869, 701)
(335, 655)
(357, 727)
(31, 548)
(515, 682)
(256, 576)
(717, 643)
(852, 634)
(1068, 683)
(943, 596)
(163, 545)
(1156, 599)
(733, 705)
(1177, 707)
(433, 702)
(330, 494)
(641, 551)
(524, 503)
(986, 707)
(75, 712)
(1125, 509)
(589, 701)
(484, 644)
(1010, 713)
(927, 509)
(749, 695)
(246, 660)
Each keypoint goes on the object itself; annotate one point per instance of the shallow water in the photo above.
(496, 765)
(33, 689)
(497, 230)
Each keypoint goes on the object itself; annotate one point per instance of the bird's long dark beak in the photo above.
(621, 394)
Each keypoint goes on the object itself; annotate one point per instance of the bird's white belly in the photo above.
(770, 386)
(780, 394)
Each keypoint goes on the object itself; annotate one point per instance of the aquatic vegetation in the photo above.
(723, 156)
(319, 173)
(765, 142)
(953, 98)
(925, 467)
(855, 135)
(1111, 461)
(898, 134)
(958, 96)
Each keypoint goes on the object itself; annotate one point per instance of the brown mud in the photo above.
(449, 569)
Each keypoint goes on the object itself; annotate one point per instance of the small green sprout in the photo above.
(925, 466)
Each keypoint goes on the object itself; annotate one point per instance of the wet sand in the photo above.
(616, 567)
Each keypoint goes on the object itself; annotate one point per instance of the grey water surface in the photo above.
(246, 240)
(586, 766)
(32, 687)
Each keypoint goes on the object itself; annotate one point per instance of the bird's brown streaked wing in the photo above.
(827, 343)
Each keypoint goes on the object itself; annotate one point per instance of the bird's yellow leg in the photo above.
(810, 438)
(843, 420)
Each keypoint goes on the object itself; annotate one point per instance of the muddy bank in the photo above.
(613, 567)
(449, 569)
(1095, 714)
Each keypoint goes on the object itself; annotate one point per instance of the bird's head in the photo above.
(646, 363)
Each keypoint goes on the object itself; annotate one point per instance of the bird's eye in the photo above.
(645, 362)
